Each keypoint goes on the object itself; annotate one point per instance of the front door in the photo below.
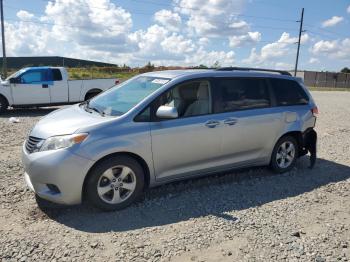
(32, 87)
(190, 143)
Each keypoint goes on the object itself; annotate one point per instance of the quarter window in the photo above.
(241, 94)
(288, 92)
(56, 74)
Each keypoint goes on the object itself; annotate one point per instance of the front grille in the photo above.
(31, 144)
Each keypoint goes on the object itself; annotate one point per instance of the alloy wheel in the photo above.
(285, 154)
(116, 184)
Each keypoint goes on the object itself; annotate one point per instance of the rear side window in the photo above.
(56, 74)
(241, 94)
(288, 92)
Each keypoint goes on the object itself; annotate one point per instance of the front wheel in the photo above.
(284, 154)
(115, 183)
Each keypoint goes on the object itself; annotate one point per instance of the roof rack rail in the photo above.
(253, 69)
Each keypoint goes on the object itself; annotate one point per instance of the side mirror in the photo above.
(167, 112)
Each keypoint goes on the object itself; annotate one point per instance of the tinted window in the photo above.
(37, 76)
(288, 92)
(30, 77)
(241, 94)
(56, 74)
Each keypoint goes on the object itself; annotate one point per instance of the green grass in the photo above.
(99, 72)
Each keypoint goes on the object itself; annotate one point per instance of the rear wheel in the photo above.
(284, 154)
(3, 104)
(115, 183)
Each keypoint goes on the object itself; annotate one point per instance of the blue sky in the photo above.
(257, 33)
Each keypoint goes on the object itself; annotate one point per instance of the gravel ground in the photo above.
(246, 215)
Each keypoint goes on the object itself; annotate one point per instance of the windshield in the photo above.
(120, 99)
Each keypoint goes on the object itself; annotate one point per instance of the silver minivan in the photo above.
(163, 126)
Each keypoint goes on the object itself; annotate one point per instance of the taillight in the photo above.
(314, 111)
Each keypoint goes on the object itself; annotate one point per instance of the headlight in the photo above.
(58, 142)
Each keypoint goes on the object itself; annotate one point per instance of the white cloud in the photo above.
(106, 34)
(103, 26)
(203, 41)
(177, 44)
(338, 49)
(249, 38)
(24, 15)
(208, 58)
(275, 50)
(348, 9)
(213, 18)
(157, 44)
(332, 21)
(172, 21)
(314, 60)
(283, 66)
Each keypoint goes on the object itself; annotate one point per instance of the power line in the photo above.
(188, 8)
(90, 27)
(236, 14)
(150, 14)
(143, 13)
(86, 27)
(326, 31)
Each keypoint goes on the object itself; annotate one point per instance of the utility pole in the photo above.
(4, 64)
(300, 31)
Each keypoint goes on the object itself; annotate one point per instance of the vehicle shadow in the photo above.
(28, 112)
(215, 195)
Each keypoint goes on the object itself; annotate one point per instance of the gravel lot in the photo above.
(246, 215)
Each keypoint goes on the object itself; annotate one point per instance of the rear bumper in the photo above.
(57, 176)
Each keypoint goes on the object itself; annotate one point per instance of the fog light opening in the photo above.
(53, 188)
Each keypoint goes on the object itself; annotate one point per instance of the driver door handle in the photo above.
(212, 123)
(230, 121)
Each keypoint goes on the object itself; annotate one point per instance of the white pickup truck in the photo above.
(44, 86)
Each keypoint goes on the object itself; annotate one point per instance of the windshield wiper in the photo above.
(97, 110)
(88, 108)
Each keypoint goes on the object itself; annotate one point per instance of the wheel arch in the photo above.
(136, 157)
(6, 100)
(92, 91)
(297, 135)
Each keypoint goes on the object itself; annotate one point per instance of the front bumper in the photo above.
(47, 171)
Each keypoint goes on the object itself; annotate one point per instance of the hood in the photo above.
(66, 121)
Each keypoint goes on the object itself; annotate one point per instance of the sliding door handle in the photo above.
(230, 121)
(212, 123)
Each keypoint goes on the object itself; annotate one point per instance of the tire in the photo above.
(3, 104)
(114, 183)
(287, 156)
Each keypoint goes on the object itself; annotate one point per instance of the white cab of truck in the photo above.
(45, 86)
